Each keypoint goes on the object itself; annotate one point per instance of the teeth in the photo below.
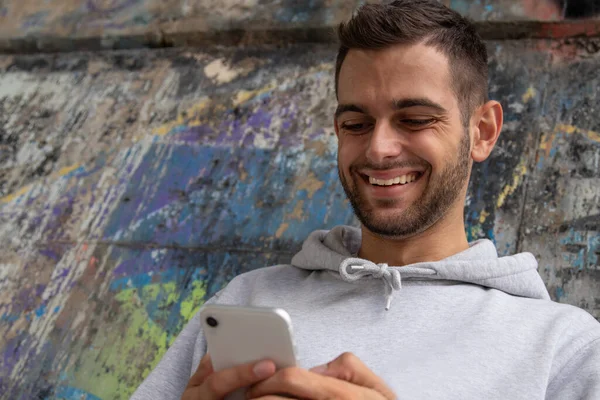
(403, 180)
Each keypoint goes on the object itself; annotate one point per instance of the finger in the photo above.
(221, 383)
(204, 369)
(300, 383)
(351, 369)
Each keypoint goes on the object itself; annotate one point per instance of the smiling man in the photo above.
(406, 141)
(404, 305)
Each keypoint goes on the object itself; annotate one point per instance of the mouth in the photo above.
(391, 185)
(394, 181)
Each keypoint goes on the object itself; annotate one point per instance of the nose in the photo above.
(384, 143)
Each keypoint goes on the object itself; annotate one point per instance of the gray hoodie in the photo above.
(472, 326)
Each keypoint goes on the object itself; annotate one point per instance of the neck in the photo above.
(444, 239)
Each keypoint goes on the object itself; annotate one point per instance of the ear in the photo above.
(487, 130)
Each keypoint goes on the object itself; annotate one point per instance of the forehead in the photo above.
(395, 73)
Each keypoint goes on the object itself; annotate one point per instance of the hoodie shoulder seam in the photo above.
(572, 358)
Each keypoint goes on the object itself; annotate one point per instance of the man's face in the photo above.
(403, 151)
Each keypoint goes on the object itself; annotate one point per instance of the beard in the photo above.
(438, 197)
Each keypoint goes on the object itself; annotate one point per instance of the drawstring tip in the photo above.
(388, 304)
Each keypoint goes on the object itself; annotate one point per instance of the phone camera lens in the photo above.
(211, 322)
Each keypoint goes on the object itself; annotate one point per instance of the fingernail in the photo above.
(321, 369)
(263, 369)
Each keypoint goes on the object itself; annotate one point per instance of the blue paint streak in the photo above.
(202, 201)
(9, 318)
(460, 6)
(140, 280)
(491, 236)
(40, 311)
(71, 393)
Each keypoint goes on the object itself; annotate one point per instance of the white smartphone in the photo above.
(239, 335)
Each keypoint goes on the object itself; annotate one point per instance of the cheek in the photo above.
(347, 154)
(429, 150)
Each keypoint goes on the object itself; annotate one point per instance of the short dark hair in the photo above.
(378, 26)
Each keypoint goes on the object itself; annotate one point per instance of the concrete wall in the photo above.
(134, 184)
(34, 25)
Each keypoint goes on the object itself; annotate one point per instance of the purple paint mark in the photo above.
(195, 134)
(126, 267)
(260, 119)
(319, 133)
(50, 254)
(11, 354)
(109, 6)
(23, 301)
(63, 274)
(39, 289)
(35, 19)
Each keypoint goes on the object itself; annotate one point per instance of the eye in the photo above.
(356, 127)
(417, 122)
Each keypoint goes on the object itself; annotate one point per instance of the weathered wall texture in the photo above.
(133, 185)
(67, 25)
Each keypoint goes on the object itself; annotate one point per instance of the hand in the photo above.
(206, 384)
(346, 377)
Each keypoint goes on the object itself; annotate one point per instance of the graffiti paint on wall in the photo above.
(135, 185)
(128, 18)
(539, 10)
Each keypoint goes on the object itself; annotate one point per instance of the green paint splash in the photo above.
(124, 352)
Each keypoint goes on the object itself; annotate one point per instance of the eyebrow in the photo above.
(396, 104)
(342, 108)
(418, 102)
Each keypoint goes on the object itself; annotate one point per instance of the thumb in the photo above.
(205, 368)
(350, 368)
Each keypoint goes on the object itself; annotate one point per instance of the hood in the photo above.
(336, 250)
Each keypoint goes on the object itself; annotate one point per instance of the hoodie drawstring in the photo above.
(353, 269)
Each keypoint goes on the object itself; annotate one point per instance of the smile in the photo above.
(399, 180)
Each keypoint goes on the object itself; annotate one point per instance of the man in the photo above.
(447, 318)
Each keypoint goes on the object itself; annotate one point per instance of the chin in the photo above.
(395, 223)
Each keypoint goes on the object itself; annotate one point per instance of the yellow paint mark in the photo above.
(318, 146)
(484, 214)
(245, 95)
(298, 212)
(282, 228)
(547, 139)
(66, 170)
(509, 189)
(570, 129)
(10, 197)
(241, 97)
(529, 94)
(191, 305)
(243, 174)
(21, 191)
(311, 184)
(476, 231)
(193, 111)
